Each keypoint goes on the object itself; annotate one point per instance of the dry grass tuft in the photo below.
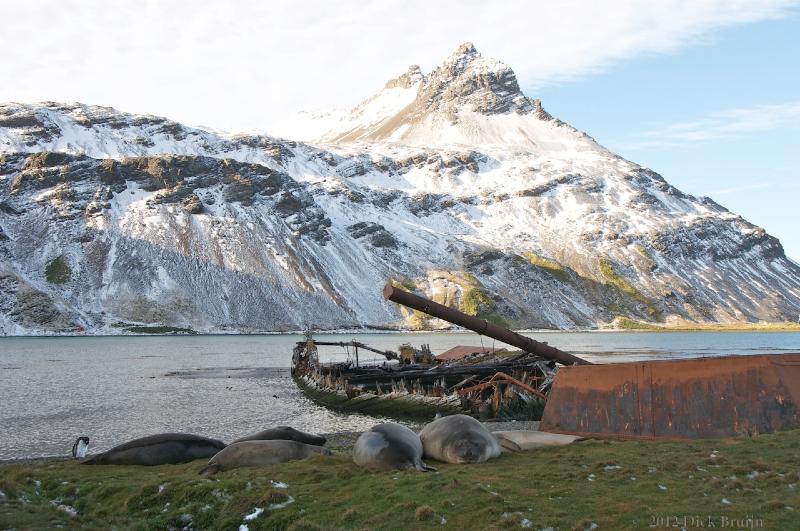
(424, 512)
(350, 515)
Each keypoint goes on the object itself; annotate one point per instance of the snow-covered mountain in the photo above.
(454, 184)
(467, 100)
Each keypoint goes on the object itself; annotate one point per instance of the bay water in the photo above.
(115, 388)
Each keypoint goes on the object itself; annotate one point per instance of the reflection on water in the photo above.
(112, 389)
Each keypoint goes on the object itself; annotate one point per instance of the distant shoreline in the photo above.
(623, 323)
(628, 325)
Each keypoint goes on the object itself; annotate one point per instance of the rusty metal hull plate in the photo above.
(677, 399)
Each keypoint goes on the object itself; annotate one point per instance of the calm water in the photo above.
(112, 389)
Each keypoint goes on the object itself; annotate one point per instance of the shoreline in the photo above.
(635, 327)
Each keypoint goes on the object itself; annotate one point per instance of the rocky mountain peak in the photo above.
(407, 80)
(463, 55)
(467, 99)
(467, 79)
(466, 49)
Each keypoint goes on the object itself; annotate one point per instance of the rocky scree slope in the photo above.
(453, 184)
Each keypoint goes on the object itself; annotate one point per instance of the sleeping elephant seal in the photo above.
(389, 446)
(161, 449)
(284, 433)
(458, 439)
(255, 453)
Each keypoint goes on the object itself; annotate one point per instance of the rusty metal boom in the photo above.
(481, 326)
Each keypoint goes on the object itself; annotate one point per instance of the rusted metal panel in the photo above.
(678, 399)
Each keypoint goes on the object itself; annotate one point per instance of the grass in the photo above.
(57, 270)
(625, 323)
(609, 278)
(472, 299)
(615, 485)
(646, 255)
(612, 278)
(551, 266)
(497, 319)
(644, 252)
(475, 302)
(415, 318)
(404, 284)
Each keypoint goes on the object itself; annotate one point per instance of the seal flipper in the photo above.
(422, 467)
(210, 469)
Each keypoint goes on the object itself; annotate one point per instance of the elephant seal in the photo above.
(458, 439)
(161, 449)
(284, 433)
(389, 446)
(255, 453)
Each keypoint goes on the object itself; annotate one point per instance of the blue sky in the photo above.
(750, 167)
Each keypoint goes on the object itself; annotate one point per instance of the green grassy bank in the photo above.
(615, 485)
(624, 323)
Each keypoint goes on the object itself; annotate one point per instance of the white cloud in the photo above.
(740, 189)
(730, 123)
(238, 64)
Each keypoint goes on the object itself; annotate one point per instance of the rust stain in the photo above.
(677, 399)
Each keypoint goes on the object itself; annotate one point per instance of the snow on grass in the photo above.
(255, 514)
(67, 509)
(276, 506)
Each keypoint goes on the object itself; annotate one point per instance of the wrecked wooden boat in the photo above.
(662, 399)
(412, 383)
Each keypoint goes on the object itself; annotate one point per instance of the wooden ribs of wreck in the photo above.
(508, 385)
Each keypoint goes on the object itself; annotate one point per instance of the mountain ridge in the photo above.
(482, 201)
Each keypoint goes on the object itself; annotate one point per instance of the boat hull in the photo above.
(402, 406)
